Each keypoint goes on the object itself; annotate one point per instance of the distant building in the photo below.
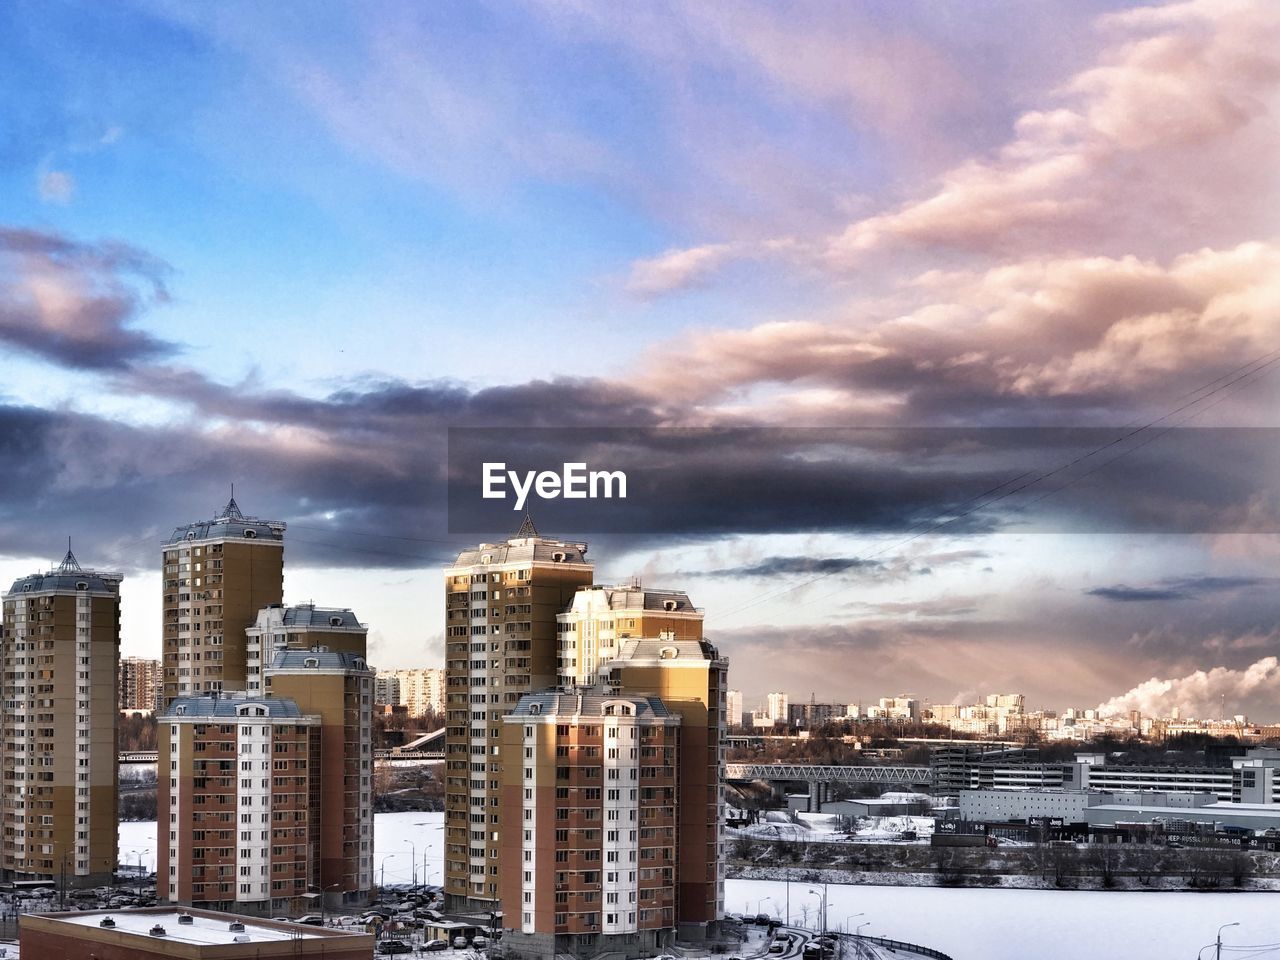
(163, 933)
(141, 682)
(901, 707)
(216, 575)
(59, 682)
(421, 690)
(733, 709)
(386, 689)
(776, 707)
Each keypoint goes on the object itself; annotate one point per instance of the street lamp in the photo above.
(414, 862)
(760, 905)
(823, 919)
(382, 883)
(852, 916)
(1219, 937)
(858, 934)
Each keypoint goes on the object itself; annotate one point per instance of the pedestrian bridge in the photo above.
(820, 773)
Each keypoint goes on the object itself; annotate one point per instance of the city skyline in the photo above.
(233, 251)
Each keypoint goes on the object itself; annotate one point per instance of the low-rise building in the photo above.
(163, 933)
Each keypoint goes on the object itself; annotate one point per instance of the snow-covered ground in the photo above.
(968, 924)
(972, 924)
(400, 842)
(825, 828)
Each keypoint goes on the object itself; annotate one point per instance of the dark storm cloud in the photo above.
(783, 566)
(1178, 588)
(73, 303)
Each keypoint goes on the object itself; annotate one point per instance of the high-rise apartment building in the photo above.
(140, 683)
(239, 818)
(776, 707)
(421, 690)
(217, 575)
(733, 709)
(601, 618)
(589, 785)
(691, 679)
(386, 689)
(501, 602)
(337, 687)
(266, 798)
(301, 627)
(59, 685)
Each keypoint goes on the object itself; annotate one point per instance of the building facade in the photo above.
(216, 575)
(501, 602)
(601, 618)
(238, 803)
(691, 679)
(141, 682)
(421, 691)
(337, 688)
(589, 781)
(301, 627)
(733, 709)
(776, 707)
(61, 651)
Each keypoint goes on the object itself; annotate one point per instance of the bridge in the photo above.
(820, 773)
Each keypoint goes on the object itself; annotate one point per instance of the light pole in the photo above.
(760, 905)
(382, 883)
(414, 868)
(858, 935)
(1219, 937)
(852, 916)
(823, 917)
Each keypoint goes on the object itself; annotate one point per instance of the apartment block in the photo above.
(589, 787)
(691, 679)
(337, 687)
(386, 689)
(60, 648)
(140, 684)
(600, 618)
(238, 804)
(301, 627)
(501, 603)
(776, 707)
(421, 690)
(733, 709)
(217, 575)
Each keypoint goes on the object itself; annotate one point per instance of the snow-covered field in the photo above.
(968, 924)
(972, 924)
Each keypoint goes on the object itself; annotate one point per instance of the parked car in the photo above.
(394, 946)
(434, 945)
(459, 943)
(479, 942)
(314, 919)
(762, 919)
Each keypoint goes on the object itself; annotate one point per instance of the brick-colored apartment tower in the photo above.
(140, 683)
(60, 653)
(501, 602)
(217, 575)
(589, 785)
(601, 618)
(238, 812)
(300, 627)
(691, 678)
(337, 687)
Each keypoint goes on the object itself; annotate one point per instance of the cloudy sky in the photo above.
(289, 245)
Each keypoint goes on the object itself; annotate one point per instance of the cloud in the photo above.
(786, 566)
(1124, 144)
(1200, 693)
(1179, 588)
(57, 186)
(75, 303)
(678, 269)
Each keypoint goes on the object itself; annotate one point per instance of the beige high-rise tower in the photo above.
(217, 575)
(501, 602)
(58, 681)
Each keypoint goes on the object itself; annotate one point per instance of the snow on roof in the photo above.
(203, 929)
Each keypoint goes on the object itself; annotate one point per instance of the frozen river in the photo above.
(967, 924)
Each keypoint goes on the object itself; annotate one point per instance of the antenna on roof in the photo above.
(527, 529)
(232, 510)
(69, 563)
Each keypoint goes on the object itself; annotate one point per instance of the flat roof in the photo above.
(205, 928)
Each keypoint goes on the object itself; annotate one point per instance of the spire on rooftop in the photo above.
(527, 529)
(232, 510)
(69, 563)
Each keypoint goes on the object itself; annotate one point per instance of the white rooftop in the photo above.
(203, 929)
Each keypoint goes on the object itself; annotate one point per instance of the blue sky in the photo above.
(289, 245)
